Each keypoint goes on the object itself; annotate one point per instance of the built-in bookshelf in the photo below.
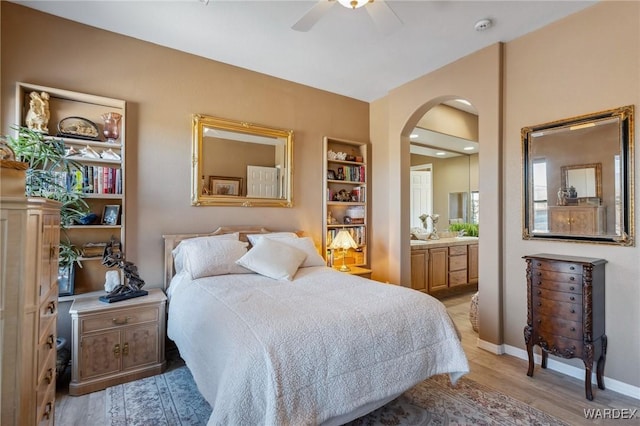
(100, 176)
(346, 199)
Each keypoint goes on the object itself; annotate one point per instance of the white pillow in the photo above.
(306, 245)
(206, 258)
(253, 238)
(178, 255)
(273, 259)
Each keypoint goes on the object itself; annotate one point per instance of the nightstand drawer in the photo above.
(546, 265)
(560, 296)
(561, 346)
(119, 319)
(566, 286)
(552, 308)
(558, 327)
(544, 275)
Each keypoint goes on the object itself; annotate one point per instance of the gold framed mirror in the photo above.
(235, 163)
(578, 179)
(583, 181)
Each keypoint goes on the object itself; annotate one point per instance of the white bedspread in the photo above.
(267, 352)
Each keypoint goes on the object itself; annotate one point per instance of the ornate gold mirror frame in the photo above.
(602, 146)
(235, 163)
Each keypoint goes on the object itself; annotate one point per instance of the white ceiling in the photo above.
(343, 53)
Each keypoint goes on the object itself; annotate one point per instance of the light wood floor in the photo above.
(555, 393)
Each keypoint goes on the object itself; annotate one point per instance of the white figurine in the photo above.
(112, 280)
(38, 115)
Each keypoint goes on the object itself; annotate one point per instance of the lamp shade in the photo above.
(343, 240)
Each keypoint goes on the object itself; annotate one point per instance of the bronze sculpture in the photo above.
(132, 287)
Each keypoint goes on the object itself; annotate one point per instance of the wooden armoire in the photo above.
(29, 238)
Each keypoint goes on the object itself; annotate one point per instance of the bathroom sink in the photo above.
(466, 238)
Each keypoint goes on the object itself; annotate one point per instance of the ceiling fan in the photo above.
(384, 18)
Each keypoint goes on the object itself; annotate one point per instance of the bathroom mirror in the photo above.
(240, 164)
(578, 179)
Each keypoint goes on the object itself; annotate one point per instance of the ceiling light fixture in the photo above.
(413, 135)
(353, 4)
(441, 154)
(483, 24)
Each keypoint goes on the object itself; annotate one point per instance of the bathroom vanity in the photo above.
(444, 266)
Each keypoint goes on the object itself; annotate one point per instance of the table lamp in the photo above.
(343, 241)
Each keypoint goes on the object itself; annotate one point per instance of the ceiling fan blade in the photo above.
(385, 19)
(310, 18)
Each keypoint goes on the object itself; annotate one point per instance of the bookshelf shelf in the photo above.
(351, 181)
(111, 172)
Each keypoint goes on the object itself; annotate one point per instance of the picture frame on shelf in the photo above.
(331, 175)
(226, 185)
(110, 214)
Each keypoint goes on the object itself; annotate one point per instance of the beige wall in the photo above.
(163, 87)
(585, 63)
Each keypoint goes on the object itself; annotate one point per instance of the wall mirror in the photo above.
(240, 164)
(578, 179)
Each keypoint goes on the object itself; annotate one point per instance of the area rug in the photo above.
(172, 398)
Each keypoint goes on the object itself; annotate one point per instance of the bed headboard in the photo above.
(172, 241)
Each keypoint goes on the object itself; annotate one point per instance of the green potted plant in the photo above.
(48, 166)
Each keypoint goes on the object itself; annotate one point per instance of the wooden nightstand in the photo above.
(356, 270)
(114, 343)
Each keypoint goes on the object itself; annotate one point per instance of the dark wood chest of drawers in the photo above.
(565, 311)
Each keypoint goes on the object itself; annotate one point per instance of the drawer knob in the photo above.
(572, 268)
(51, 307)
(47, 410)
(120, 321)
(573, 329)
(50, 341)
(125, 349)
(539, 303)
(572, 298)
(539, 282)
(539, 321)
(573, 311)
(539, 291)
(572, 288)
(49, 377)
(116, 351)
(538, 264)
(572, 278)
(539, 273)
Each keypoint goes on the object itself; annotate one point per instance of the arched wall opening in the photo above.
(476, 78)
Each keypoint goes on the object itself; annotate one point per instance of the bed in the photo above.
(303, 344)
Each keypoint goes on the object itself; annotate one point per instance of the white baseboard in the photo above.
(490, 347)
(611, 384)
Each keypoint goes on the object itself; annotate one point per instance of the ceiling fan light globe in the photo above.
(353, 4)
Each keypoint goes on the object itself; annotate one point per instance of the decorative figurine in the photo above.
(111, 257)
(562, 197)
(38, 115)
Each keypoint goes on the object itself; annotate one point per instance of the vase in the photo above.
(111, 128)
